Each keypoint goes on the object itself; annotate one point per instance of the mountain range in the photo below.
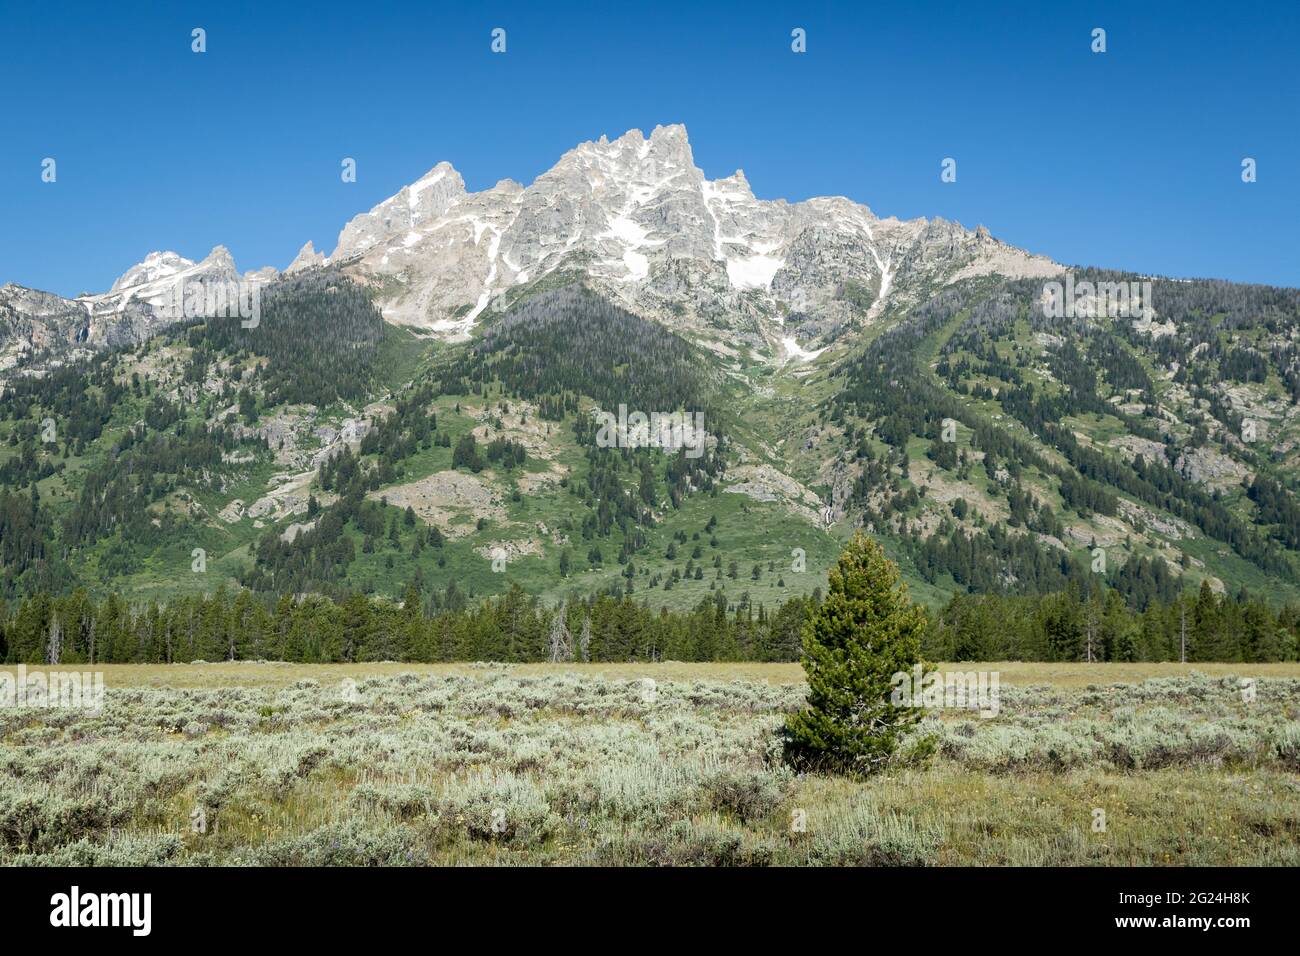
(417, 403)
(634, 216)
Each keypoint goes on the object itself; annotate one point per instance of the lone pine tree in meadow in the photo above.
(866, 631)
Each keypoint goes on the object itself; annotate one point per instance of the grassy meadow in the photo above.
(644, 764)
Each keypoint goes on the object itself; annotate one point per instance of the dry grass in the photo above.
(280, 674)
(538, 764)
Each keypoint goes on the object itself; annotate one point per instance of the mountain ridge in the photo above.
(634, 214)
(417, 417)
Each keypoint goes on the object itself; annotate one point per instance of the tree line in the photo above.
(1076, 624)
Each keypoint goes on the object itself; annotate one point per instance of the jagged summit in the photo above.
(155, 266)
(306, 258)
(158, 267)
(649, 229)
(420, 203)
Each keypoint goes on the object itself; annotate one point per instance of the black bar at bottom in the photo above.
(334, 906)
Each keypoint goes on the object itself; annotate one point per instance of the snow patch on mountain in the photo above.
(649, 230)
(155, 266)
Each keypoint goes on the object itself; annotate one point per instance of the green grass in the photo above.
(402, 352)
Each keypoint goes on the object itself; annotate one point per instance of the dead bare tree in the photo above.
(561, 641)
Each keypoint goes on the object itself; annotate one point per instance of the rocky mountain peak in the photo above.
(154, 266)
(306, 258)
(422, 202)
(648, 229)
(219, 259)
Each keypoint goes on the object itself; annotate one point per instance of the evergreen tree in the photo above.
(866, 631)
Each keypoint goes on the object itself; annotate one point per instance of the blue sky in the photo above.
(1128, 159)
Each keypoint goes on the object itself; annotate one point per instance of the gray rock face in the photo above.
(32, 321)
(306, 258)
(418, 204)
(1206, 466)
(132, 311)
(641, 222)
